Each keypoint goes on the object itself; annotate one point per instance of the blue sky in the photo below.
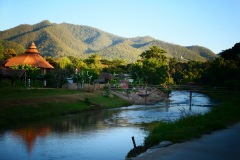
(213, 24)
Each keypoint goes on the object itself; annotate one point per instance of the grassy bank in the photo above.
(194, 126)
(221, 116)
(21, 105)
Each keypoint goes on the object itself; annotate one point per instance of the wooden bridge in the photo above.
(190, 87)
(188, 90)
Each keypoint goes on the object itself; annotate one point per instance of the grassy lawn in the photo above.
(21, 105)
(22, 92)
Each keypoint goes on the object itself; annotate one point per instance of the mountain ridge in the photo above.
(66, 39)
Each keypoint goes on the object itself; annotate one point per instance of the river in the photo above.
(95, 135)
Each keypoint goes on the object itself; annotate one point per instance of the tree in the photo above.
(78, 63)
(153, 66)
(94, 63)
(154, 52)
(175, 70)
(221, 73)
(137, 72)
(116, 65)
(1, 52)
(31, 72)
(9, 53)
(50, 60)
(232, 54)
(58, 77)
(64, 63)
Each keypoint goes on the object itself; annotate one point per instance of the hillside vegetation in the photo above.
(4, 45)
(65, 39)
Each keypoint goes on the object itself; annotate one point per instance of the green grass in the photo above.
(187, 128)
(23, 92)
(21, 114)
(27, 113)
(108, 102)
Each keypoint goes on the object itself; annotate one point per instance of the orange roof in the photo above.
(32, 49)
(31, 57)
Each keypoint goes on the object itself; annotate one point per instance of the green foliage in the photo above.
(106, 91)
(51, 60)
(153, 67)
(154, 52)
(182, 73)
(116, 65)
(84, 76)
(32, 72)
(232, 54)
(57, 77)
(94, 63)
(9, 53)
(77, 63)
(87, 101)
(222, 73)
(1, 52)
(9, 49)
(64, 63)
(5, 83)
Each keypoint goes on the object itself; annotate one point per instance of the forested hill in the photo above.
(202, 51)
(65, 39)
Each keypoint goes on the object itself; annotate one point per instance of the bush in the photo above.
(87, 101)
(106, 91)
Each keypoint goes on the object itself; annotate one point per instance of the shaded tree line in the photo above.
(152, 68)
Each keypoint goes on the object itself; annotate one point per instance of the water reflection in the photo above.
(95, 135)
(30, 134)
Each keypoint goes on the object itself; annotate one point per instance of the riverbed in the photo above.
(95, 135)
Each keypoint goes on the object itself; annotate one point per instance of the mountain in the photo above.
(65, 39)
(202, 51)
(4, 45)
(8, 44)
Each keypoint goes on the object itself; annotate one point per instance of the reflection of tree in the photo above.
(30, 134)
(84, 122)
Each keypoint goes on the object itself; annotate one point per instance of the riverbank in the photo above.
(21, 105)
(222, 144)
(147, 96)
(194, 126)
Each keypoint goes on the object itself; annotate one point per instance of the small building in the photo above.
(31, 57)
(6, 73)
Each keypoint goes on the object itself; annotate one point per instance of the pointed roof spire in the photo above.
(32, 48)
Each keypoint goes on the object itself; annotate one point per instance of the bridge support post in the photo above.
(190, 97)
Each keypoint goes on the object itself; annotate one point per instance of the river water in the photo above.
(95, 135)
